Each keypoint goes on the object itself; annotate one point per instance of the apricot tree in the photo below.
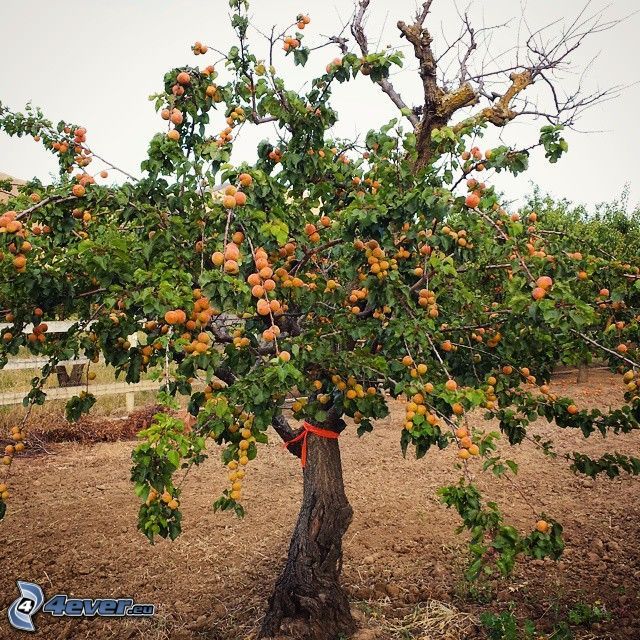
(341, 274)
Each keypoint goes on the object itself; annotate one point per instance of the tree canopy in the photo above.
(341, 274)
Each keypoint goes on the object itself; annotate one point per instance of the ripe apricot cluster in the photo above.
(166, 497)
(202, 314)
(195, 324)
(236, 472)
(83, 179)
(199, 49)
(79, 138)
(82, 214)
(369, 182)
(262, 285)
(175, 316)
(415, 370)
(312, 232)
(460, 237)
(427, 300)
(631, 380)
(290, 43)
(235, 117)
(276, 155)
(239, 340)
(212, 90)
(174, 115)
(233, 198)
(417, 407)
(298, 405)
(83, 156)
(356, 296)
(9, 224)
(351, 388)
(379, 263)
(229, 259)
(467, 447)
(382, 313)
(302, 21)
(38, 333)
(491, 400)
(18, 436)
(19, 246)
(543, 286)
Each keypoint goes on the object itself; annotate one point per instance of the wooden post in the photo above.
(583, 372)
(131, 402)
(73, 380)
(131, 397)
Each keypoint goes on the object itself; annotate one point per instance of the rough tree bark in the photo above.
(308, 600)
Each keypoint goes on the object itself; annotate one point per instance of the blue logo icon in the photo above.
(31, 601)
(25, 606)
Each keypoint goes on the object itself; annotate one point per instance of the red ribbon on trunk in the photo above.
(302, 437)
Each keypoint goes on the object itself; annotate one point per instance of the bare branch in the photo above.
(358, 33)
(426, 7)
(470, 49)
(338, 40)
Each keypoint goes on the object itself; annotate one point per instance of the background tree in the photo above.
(342, 273)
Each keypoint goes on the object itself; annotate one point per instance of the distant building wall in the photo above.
(15, 184)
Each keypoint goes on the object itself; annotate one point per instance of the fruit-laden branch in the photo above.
(43, 203)
(603, 348)
(110, 164)
(309, 254)
(504, 236)
(221, 336)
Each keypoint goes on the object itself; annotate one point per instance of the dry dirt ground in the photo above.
(71, 527)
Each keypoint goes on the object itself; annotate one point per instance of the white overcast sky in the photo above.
(95, 62)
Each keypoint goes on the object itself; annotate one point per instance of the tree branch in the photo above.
(285, 431)
(358, 33)
(43, 203)
(603, 348)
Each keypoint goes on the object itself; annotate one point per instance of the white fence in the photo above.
(64, 393)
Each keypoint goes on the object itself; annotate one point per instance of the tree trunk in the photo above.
(308, 601)
(583, 373)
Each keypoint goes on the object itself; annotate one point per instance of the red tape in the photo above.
(302, 437)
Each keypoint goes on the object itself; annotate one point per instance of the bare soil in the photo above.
(71, 527)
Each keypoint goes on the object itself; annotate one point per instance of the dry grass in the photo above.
(20, 379)
(52, 412)
(431, 620)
